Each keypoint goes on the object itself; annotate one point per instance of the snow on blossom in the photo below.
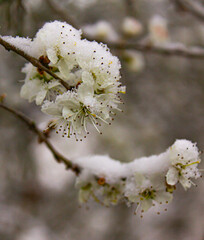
(21, 43)
(55, 40)
(184, 159)
(103, 166)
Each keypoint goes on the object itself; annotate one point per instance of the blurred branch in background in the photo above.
(176, 49)
(14, 12)
(165, 50)
(192, 6)
(42, 137)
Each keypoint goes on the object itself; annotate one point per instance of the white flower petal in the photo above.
(65, 67)
(30, 89)
(133, 198)
(40, 96)
(51, 109)
(53, 84)
(163, 197)
(172, 176)
(87, 77)
(84, 195)
(84, 91)
(66, 112)
(52, 55)
(146, 204)
(139, 179)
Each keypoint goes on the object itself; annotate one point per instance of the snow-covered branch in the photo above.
(146, 181)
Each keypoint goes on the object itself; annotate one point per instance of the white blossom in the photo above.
(55, 40)
(131, 26)
(146, 191)
(38, 87)
(134, 60)
(101, 30)
(184, 159)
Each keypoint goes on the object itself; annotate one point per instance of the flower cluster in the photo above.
(147, 181)
(88, 68)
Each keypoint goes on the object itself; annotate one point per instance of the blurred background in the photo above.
(164, 102)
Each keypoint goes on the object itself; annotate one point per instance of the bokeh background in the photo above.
(164, 102)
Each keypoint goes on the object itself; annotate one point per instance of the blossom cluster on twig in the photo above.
(146, 181)
(89, 94)
(89, 69)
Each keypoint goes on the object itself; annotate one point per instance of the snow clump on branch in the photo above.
(146, 182)
(89, 69)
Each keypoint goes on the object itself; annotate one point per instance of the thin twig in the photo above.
(61, 13)
(32, 126)
(32, 60)
(193, 7)
(167, 50)
(130, 7)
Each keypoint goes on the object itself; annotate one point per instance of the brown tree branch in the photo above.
(32, 60)
(193, 7)
(130, 7)
(32, 126)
